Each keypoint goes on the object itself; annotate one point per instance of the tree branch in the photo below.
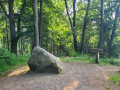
(19, 20)
(4, 9)
(22, 9)
(68, 13)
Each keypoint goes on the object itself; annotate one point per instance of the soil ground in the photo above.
(76, 76)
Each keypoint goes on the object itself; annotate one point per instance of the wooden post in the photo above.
(97, 54)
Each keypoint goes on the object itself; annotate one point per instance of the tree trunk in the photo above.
(14, 46)
(102, 26)
(113, 31)
(12, 28)
(19, 20)
(84, 28)
(13, 37)
(7, 36)
(19, 46)
(73, 27)
(35, 15)
(68, 13)
(22, 45)
(4, 41)
(40, 31)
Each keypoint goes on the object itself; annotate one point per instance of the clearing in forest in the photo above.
(76, 76)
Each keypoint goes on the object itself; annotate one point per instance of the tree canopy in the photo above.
(65, 26)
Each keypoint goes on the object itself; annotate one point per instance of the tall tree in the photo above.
(113, 31)
(102, 25)
(35, 16)
(84, 28)
(13, 37)
(73, 26)
(12, 27)
(40, 29)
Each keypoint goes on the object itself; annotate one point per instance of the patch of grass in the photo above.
(102, 61)
(115, 78)
(108, 88)
(112, 61)
(80, 58)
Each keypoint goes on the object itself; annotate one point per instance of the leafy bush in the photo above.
(5, 56)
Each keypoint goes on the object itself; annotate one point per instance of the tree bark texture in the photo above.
(84, 28)
(40, 30)
(19, 20)
(12, 28)
(73, 26)
(102, 26)
(35, 15)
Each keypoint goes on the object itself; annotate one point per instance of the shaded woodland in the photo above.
(75, 32)
(66, 27)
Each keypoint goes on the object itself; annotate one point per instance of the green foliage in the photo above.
(9, 61)
(56, 32)
(80, 58)
(113, 61)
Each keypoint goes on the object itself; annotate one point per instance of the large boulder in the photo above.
(42, 61)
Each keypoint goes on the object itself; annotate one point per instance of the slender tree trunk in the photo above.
(19, 46)
(68, 13)
(4, 41)
(113, 31)
(35, 15)
(102, 26)
(22, 45)
(19, 20)
(7, 36)
(40, 30)
(73, 26)
(84, 28)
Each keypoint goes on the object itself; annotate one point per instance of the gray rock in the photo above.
(42, 61)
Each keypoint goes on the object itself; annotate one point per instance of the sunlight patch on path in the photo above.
(106, 77)
(19, 71)
(72, 86)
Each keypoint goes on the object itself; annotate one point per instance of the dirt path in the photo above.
(76, 76)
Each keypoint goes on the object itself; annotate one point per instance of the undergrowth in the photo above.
(78, 58)
(91, 59)
(10, 61)
(112, 61)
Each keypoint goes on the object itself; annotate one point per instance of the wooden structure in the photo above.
(97, 50)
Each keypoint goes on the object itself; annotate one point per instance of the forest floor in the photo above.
(76, 76)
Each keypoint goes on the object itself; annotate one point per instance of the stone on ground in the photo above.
(44, 62)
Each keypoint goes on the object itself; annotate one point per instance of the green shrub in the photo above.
(9, 60)
(113, 61)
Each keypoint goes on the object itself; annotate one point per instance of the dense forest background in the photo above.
(66, 27)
